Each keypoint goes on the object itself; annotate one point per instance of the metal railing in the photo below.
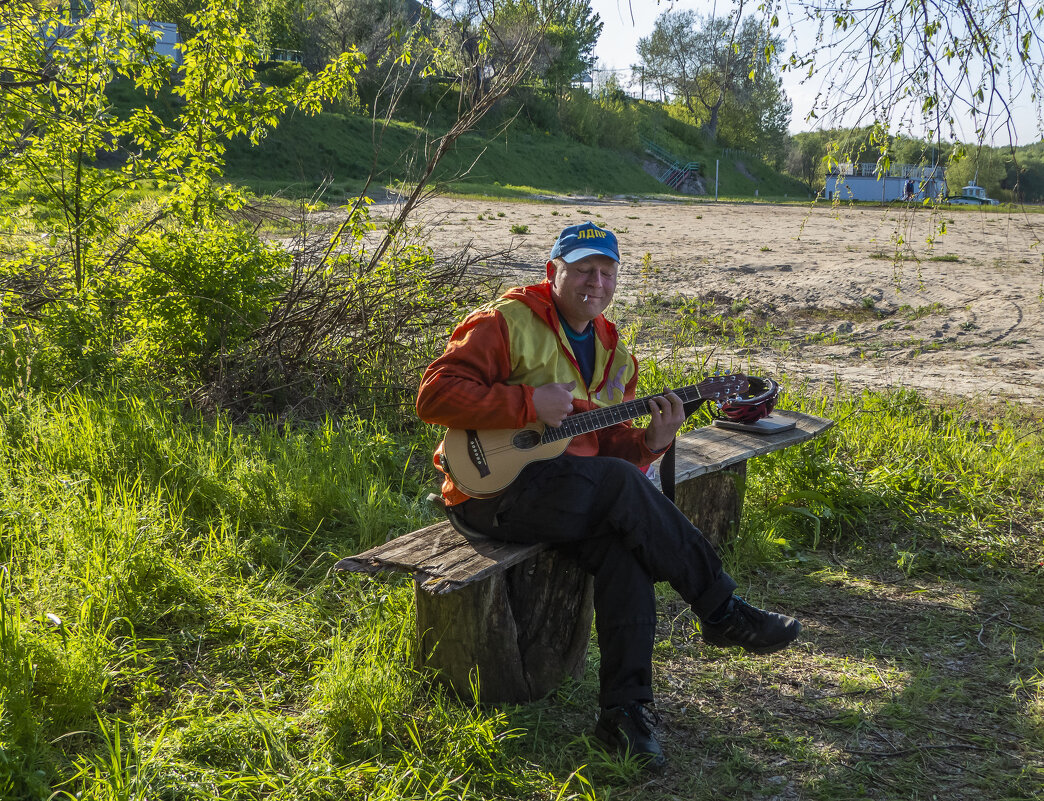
(676, 171)
(281, 55)
(868, 169)
(654, 149)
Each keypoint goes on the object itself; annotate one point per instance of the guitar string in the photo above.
(606, 414)
(640, 405)
(566, 429)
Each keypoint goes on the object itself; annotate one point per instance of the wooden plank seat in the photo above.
(443, 559)
(440, 557)
(521, 614)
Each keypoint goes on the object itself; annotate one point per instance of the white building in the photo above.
(847, 181)
(166, 38)
(166, 33)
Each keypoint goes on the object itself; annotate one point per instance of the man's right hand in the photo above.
(553, 402)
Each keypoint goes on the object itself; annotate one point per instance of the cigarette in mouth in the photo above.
(585, 298)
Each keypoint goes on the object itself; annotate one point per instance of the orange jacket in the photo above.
(502, 351)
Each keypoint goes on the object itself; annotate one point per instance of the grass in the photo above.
(338, 148)
(334, 152)
(171, 629)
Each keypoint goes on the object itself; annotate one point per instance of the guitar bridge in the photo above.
(476, 453)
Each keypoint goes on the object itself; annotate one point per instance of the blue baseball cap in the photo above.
(587, 239)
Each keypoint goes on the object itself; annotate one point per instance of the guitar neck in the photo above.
(606, 416)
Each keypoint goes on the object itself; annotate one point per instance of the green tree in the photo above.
(806, 153)
(81, 163)
(271, 23)
(327, 28)
(498, 43)
(756, 117)
(1025, 173)
(983, 165)
(572, 31)
(275, 23)
(101, 278)
(568, 32)
(712, 63)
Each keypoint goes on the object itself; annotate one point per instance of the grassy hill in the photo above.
(341, 146)
(526, 158)
(530, 145)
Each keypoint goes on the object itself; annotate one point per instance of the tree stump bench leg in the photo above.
(525, 630)
(714, 501)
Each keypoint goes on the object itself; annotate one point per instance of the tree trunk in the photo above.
(712, 120)
(513, 637)
(714, 501)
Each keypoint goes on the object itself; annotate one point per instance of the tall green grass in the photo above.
(170, 627)
(942, 487)
(963, 478)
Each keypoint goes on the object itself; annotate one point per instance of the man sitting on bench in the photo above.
(539, 353)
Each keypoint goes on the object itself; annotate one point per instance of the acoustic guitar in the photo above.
(484, 463)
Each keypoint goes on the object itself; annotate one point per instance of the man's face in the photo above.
(583, 290)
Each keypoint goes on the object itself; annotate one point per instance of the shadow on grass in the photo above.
(918, 688)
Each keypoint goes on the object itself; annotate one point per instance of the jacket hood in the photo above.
(539, 299)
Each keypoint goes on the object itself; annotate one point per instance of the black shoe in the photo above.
(627, 730)
(751, 629)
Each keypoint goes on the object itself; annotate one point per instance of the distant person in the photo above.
(908, 192)
(540, 353)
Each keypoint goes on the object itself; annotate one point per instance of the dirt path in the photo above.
(965, 318)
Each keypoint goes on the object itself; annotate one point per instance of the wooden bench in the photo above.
(522, 614)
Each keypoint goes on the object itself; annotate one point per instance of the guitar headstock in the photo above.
(722, 387)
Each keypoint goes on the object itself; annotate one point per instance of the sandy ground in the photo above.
(963, 318)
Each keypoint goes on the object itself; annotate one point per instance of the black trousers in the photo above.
(624, 532)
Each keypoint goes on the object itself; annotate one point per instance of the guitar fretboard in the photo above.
(611, 415)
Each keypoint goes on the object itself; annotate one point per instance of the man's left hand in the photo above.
(668, 413)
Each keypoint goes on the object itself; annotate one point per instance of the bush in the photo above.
(174, 311)
(198, 296)
(680, 124)
(284, 74)
(607, 121)
(535, 108)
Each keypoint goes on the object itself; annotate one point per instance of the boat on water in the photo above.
(972, 195)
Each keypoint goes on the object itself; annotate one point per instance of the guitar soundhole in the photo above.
(526, 439)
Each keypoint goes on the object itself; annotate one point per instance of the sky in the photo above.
(625, 22)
